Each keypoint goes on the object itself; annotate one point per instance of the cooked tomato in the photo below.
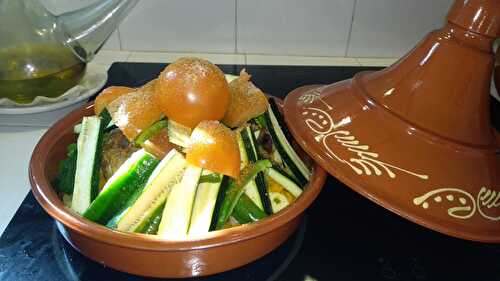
(108, 95)
(213, 146)
(135, 111)
(191, 90)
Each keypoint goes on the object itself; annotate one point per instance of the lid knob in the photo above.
(479, 16)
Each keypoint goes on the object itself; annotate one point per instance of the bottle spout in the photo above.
(88, 28)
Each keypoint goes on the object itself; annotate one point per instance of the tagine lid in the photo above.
(416, 137)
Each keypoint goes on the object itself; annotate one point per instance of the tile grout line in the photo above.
(235, 26)
(350, 28)
(119, 38)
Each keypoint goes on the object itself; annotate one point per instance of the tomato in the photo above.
(213, 146)
(134, 112)
(191, 90)
(108, 95)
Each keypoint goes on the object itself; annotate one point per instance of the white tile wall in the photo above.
(390, 28)
(354, 28)
(180, 25)
(297, 27)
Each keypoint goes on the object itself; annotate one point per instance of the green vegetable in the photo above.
(123, 185)
(106, 118)
(88, 163)
(168, 173)
(178, 134)
(236, 189)
(65, 179)
(151, 131)
(204, 205)
(178, 209)
(246, 211)
(279, 201)
(218, 203)
(251, 151)
(285, 181)
(281, 139)
(210, 178)
(150, 225)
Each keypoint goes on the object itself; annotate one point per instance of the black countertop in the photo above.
(344, 236)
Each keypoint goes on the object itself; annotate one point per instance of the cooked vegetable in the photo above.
(236, 188)
(210, 177)
(279, 201)
(251, 188)
(276, 127)
(247, 101)
(88, 163)
(177, 213)
(204, 204)
(116, 193)
(108, 95)
(135, 112)
(246, 211)
(230, 77)
(156, 159)
(284, 181)
(178, 134)
(65, 179)
(149, 132)
(213, 146)
(151, 224)
(251, 152)
(191, 90)
(159, 144)
(168, 173)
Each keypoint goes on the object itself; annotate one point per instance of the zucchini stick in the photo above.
(236, 189)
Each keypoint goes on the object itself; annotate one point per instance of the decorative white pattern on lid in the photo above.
(321, 123)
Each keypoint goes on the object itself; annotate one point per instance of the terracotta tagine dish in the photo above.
(416, 137)
(497, 70)
(150, 255)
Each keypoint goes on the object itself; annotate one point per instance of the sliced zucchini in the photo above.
(230, 77)
(281, 138)
(204, 204)
(279, 201)
(220, 201)
(252, 192)
(243, 153)
(178, 208)
(251, 189)
(65, 179)
(284, 181)
(105, 118)
(150, 226)
(77, 128)
(260, 183)
(234, 190)
(164, 177)
(178, 134)
(88, 159)
(125, 183)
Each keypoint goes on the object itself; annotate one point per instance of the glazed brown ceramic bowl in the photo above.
(146, 254)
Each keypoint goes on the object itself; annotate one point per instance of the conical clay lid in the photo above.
(416, 137)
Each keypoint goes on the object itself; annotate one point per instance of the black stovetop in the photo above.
(344, 236)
